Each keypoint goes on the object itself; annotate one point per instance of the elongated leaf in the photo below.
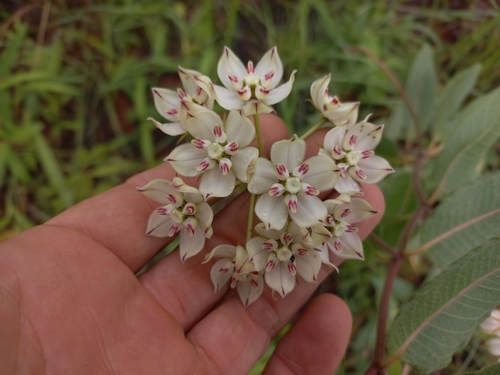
(421, 89)
(443, 314)
(464, 220)
(478, 127)
(451, 98)
(490, 370)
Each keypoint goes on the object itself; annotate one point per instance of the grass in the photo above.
(75, 82)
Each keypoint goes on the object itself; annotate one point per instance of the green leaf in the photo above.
(421, 89)
(451, 98)
(490, 370)
(443, 314)
(464, 220)
(477, 129)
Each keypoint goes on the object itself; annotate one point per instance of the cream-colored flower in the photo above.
(253, 89)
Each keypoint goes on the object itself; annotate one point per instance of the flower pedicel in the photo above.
(297, 229)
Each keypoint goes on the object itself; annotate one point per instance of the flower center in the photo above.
(215, 151)
(293, 185)
(284, 254)
(177, 216)
(339, 228)
(251, 80)
(353, 157)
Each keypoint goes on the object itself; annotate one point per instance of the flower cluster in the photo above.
(297, 229)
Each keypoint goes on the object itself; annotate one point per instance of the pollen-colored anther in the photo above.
(337, 245)
(203, 166)
(353, 139)
(232, 147)
(292, 268)
(198, 91)
(311, 190)
(269, 75)
(250, 67)
(270, 265)
(234, 282)
(360, 174)
(345, 213)
(172, 112)
(173, 230)
(162, 210)
(254, 283)
(190, 230)
(223, 269)
(217, 131)
(287, 237)
(189, 209)
(276, 190)
(338, 150)
(330, 220)
(292, 205)
(181, 93)
(281, 169)
(198, 143)
(232, 78)
(335, 100)
(224, 168)
(302, 251)
(304, 168)
(171, 198)
(267, 245)
(367, 154)
(351, 228)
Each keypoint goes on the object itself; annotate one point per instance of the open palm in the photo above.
(70, 302)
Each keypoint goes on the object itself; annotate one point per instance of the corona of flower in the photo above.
(290, 185)
(339, 114)
(184, 211)
(254, 88)
(352, 149)
(178, 106)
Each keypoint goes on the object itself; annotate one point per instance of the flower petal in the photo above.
(159, 190)
(254, 107)
(348, 246)
(263, 177)
(359, 210)
(270, 62)
(241, 161)
(278, 94)
(229, 63)
(239, 129)
(318, 90)
(220, 273)
(374, 168)
(257, 254)
(201, 126)
(191, 245)
(322, 174)
(204, 215)
(249, 290)
(173, 128)
(228, 99)
(280, 279)
(289, 152)
(161, 225)
(367, 136)
(268, 233)
(310, 210)
(167, 103)
(308, 266)
(221, 251)
(334, 138)
(215, 184)
(343, 115)
(272, 211)
(185, 159)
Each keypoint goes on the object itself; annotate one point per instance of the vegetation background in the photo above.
(75, 79)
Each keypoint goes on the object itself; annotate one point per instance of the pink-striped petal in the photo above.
(185, 159)
(374, 169)
(190, 245)
(272, 211)
(220, 273)
(215, 184)
(230, 65)
(278, 94)
(270, 68)
(289, 152)
(250, 290)
(280, 279)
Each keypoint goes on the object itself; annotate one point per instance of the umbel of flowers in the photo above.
(297, 229)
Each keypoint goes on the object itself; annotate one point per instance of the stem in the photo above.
(250, 217)
(256, 121)
(313, 128)
(399, 87)
(383, 245)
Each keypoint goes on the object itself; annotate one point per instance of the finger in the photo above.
(117, 218)
(317, 342)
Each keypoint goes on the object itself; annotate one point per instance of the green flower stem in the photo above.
(259, 134)
(314, 128)
(250, 217)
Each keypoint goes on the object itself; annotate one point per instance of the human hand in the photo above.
(70, 302)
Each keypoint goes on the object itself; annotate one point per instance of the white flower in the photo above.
(184, 211)
(252, 88)
(352, 149)
(340, 114)
(219, 152)
(234, 265)
(338, 233)
(283, 254)
(493, 346)
(178, 106)
(292, 185)
(492, 324)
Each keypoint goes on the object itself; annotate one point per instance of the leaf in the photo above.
(421, 89)
(478, 127)
(490, 370)
(442, 315)
(464, 220)
(451, 98)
